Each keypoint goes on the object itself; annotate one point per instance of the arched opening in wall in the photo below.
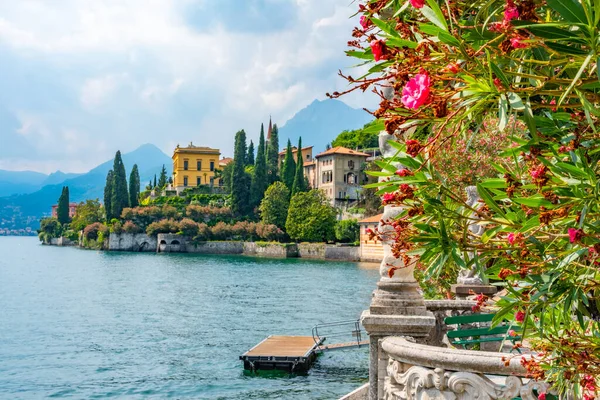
(162, 246)
(175, 245)
(351, 178)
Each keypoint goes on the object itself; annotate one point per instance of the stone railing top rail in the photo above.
(434, 305)
(483, 362)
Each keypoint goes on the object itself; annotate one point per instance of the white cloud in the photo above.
(153, 77)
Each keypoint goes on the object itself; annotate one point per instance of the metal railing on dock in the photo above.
(346, 334)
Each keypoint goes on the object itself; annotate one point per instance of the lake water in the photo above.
(87, 324)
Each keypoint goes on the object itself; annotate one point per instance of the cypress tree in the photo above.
(273, 156)
(62, 212)
(110, 178)
(154, 182)
(250, 157)
(259, 178)
(288, 169)
(134, 187)
(120, 196)
(299, 182)
(240, 191)
(162, 180)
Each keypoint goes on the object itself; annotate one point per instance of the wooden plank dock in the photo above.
(289, 353)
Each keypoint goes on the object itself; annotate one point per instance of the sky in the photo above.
(80, 79)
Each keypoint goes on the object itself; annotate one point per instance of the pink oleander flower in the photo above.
(364, 22)
(512, 333)
(538, 173)
(542, 396)
(511, 238)
(389, 197)
(454, 68)
(516, 43)
(417, 3)
(378, 48)
(416, 91)
(510, 11)
(520, 316)
(403, 172)
(575, 235)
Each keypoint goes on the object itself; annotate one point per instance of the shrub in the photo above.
(221, 231)
(208, 214)
(87, 213)
(162, 226)
(347, 231)
(51, 227)
(142, 216)
(204, 232)
(130, 227)
(95, 231)
(116, 227)
(188, 228)
(269, 232)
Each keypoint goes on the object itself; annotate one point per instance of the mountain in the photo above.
(25, 210)
(320, 122)
(13, 182)
(58, 177)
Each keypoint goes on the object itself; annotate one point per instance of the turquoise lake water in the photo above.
(86, 324)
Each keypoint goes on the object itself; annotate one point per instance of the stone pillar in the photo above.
(397, 307)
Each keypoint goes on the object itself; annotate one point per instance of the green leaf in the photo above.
(448, 39)
(434, 14)
(498, 72)
(570, 10)
(502, 112)
(397, 42)
(563, 48)
(385, 166)
(494, 183)
(489, 200)
(571, 257)
(587, 60)
(533, 202)
(379, 173)
(366, 55)
(515, 101)
(384, 26)
(530, 121)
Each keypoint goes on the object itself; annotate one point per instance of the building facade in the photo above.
(72, 210)
(370, 249)
(194, 166)
(339, 173)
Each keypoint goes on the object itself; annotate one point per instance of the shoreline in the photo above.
(173, 243)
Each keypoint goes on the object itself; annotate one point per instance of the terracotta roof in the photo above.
(225, 161)
(342, 150)
(368, 220)
(294, 149)
(308, 163)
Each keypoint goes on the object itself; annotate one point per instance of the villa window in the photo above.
(345, 179)
(185, 165)
(198, 181)
(185, 181)
(199, 165)
(212, 165)
(351, 164)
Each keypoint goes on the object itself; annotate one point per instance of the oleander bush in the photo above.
(444, 68)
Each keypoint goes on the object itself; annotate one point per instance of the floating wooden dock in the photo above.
(288, 353)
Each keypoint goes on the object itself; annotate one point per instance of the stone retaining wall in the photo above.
(136, 242)
(229, 247)
(311, 250)
(342, 253)
(281, 250)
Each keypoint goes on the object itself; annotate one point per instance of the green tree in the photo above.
(163, 179)
(366, 137)
(274, 207)
(259, 178)
(134, 187)
(155, 182)
(299, 181)
(62, 212)
(240, 190)
(120, 195)
(226, 176)
(347, 231)
(110, 180)
(310, 217)
(288, 169)
(273, 156)
(250, 156)
(87, 213)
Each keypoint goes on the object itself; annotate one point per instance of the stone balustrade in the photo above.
(419, 371)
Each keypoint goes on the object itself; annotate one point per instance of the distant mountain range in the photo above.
(23, 182)
(320, 122)
(27, 208)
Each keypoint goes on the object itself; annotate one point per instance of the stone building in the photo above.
(339, 173)
(72, 210)
(194, 166)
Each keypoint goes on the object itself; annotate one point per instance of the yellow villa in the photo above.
(194, 166)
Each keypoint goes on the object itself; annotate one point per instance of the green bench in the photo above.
(469, 337)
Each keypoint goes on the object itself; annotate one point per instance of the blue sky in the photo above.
(81, 79)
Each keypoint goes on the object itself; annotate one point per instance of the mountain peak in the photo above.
(321, 121)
